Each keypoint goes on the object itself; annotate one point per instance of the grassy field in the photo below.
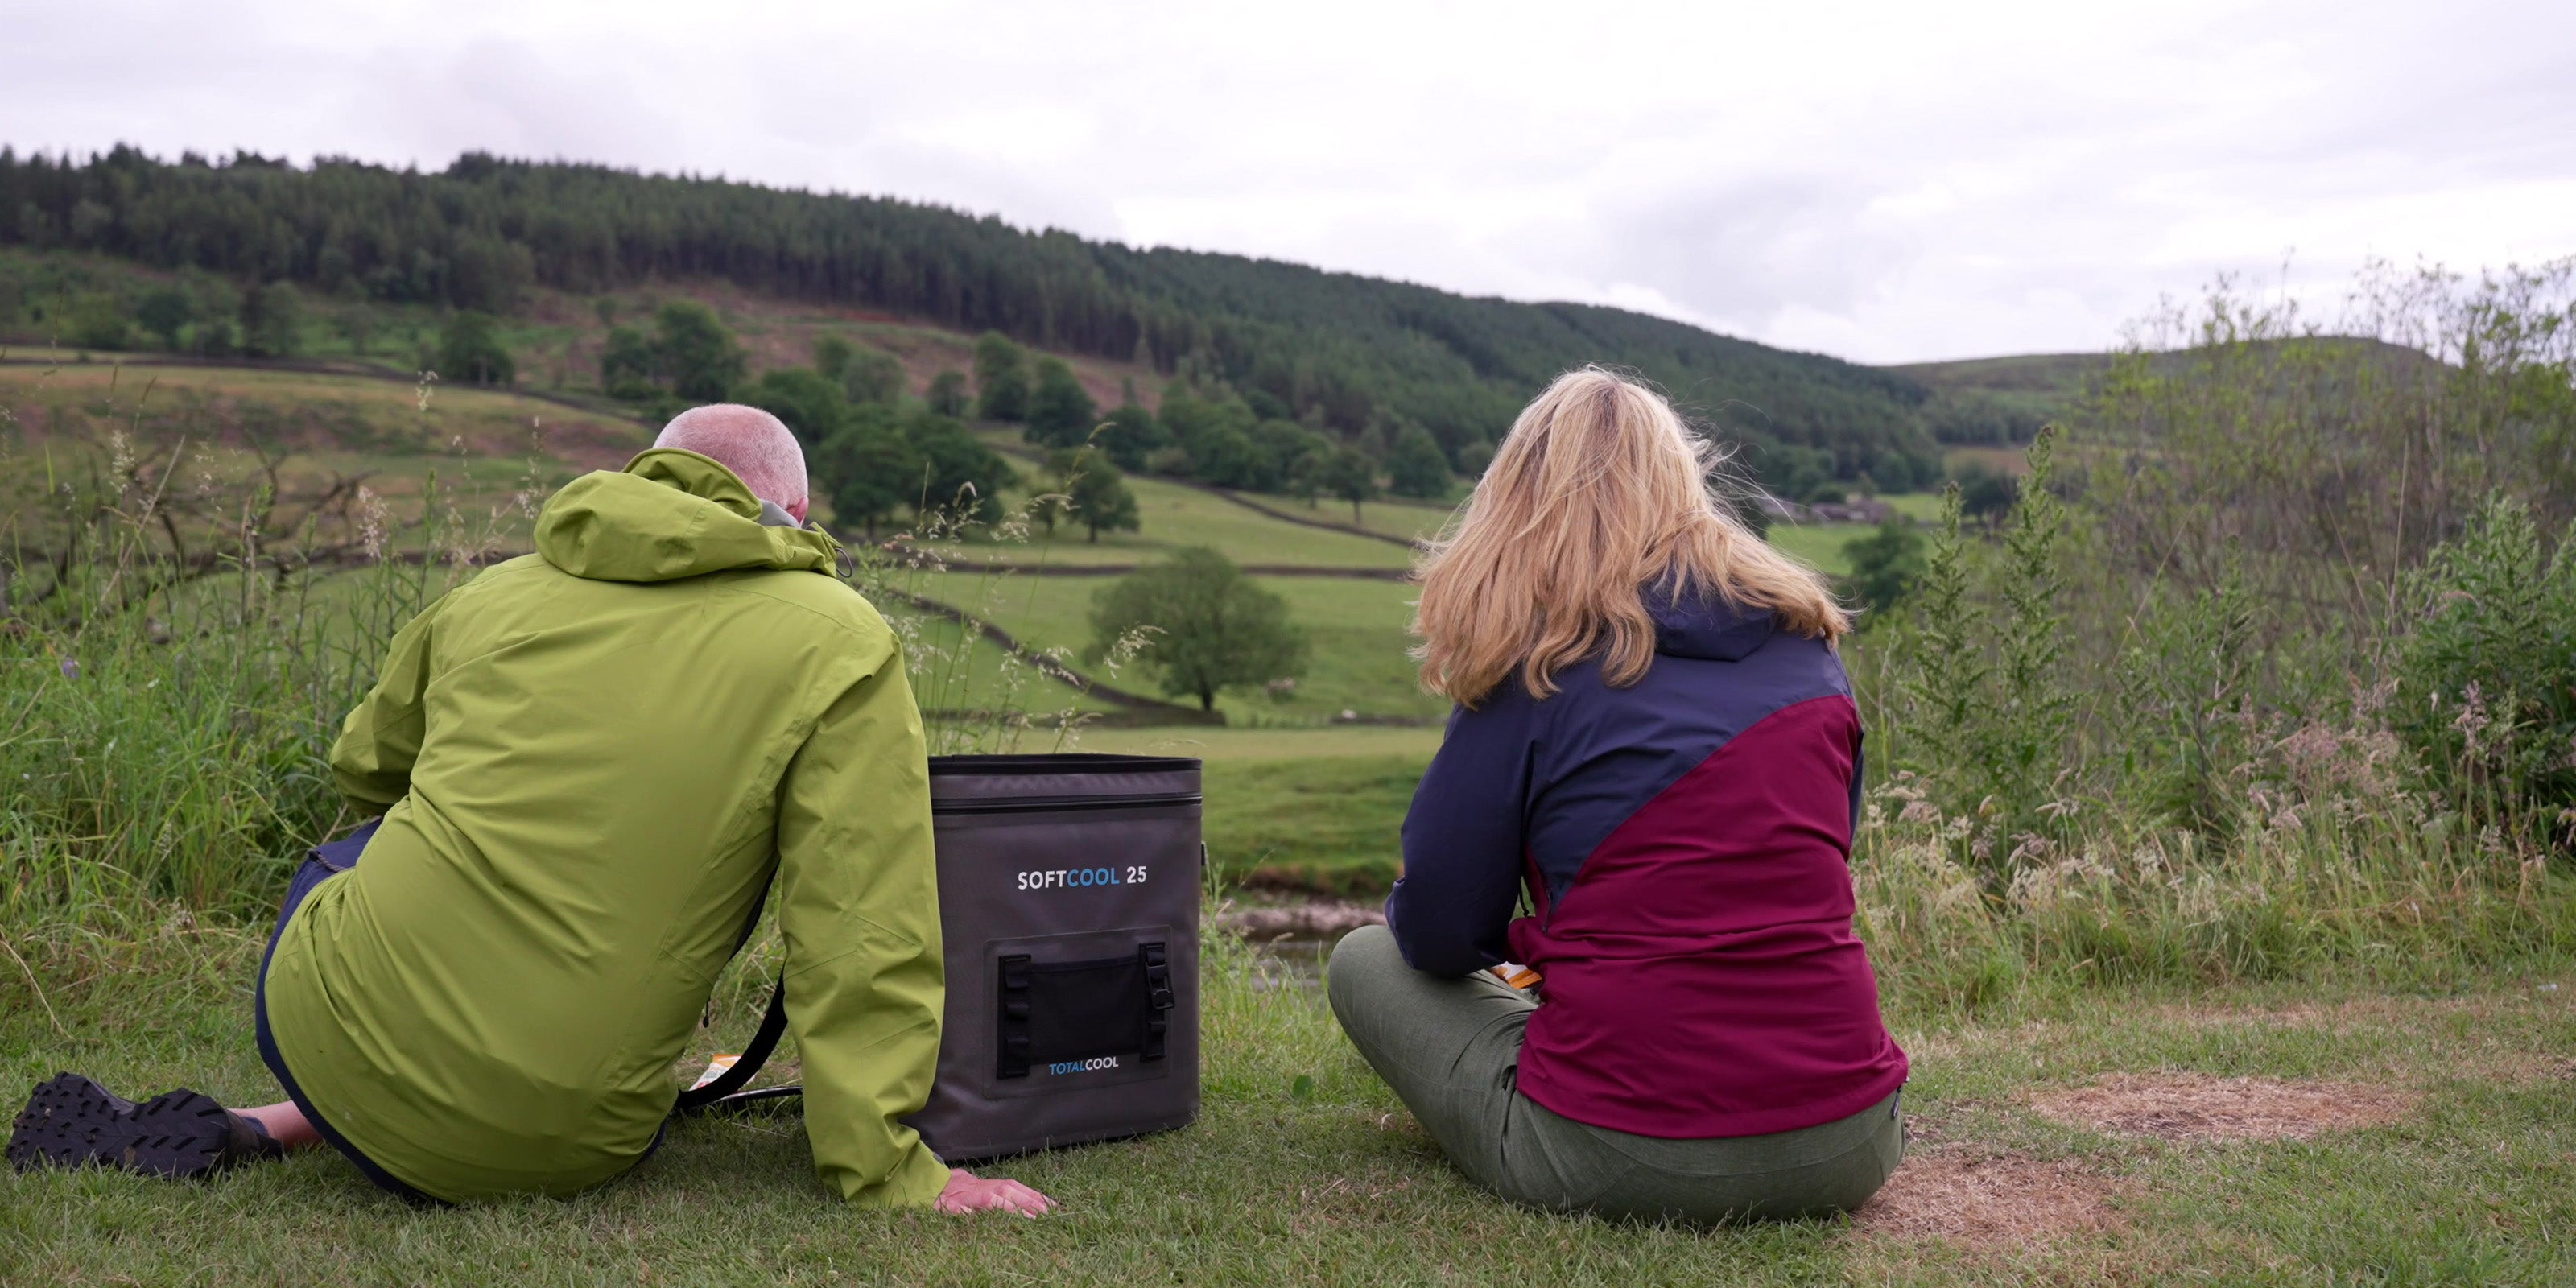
(1387, 516)
(2431, 1126)
(1297, 809)
(1356, 630)
(1819, 545)
(1269, 744)
(1174, 516)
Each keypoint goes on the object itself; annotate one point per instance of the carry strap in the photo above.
(754, 1055)
(773, 1025)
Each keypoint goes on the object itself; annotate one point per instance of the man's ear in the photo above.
(797, 511)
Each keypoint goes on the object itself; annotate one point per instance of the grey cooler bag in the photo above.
(1069, 908)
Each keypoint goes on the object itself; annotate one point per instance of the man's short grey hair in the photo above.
(756, 446)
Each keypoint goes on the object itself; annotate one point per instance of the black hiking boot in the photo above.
(74, 1122)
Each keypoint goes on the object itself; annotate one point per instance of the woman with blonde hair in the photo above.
(1654, 738)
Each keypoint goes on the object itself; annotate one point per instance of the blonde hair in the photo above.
(1599, 494)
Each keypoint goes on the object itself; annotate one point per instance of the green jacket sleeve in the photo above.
(381, 738)
(859, 903)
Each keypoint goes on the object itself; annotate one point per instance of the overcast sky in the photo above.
(1886, 182)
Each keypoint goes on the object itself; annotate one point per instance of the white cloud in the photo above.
(1886, 181)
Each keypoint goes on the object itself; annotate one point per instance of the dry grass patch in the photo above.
(2199, 1107)
(1988, 1201)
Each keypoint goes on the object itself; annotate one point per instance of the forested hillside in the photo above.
(1339, 352)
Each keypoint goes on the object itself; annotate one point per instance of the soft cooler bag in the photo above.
(1069, 911)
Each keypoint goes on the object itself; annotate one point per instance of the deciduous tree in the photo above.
(869, 469)
(1061, 412)
(1101, 500)
(947, 393)
(874, 376)
(1416, 467)
(470, 350)
(1204, 627)
(694, 354)
(1001, 378)
(1352, 476)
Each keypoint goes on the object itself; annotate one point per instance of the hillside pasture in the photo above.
(492, 455)
(1355, 629)
(1172, 516)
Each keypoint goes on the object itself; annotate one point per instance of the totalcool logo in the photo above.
(1085, 1066)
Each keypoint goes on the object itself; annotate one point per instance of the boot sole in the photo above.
(73, 1122)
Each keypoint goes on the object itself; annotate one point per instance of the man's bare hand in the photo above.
(968, 1193)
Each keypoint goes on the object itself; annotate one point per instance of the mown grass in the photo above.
(1304, 1169)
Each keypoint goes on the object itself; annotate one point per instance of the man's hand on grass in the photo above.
(968, 1193)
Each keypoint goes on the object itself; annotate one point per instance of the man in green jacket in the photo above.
(591, 763)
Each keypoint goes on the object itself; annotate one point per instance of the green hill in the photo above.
(1349, 354)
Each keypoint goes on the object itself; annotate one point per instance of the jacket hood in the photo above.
(1709, 627)
(671, 514)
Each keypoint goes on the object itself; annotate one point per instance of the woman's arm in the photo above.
(1463, 844)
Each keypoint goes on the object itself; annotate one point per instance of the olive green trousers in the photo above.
(1450, 1048)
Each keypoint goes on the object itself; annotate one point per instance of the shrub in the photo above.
(1885, 565)
(96, 321)
(2487, 679)
(831, 357)
(1984, 492)
(1984, 692)
(165, 312)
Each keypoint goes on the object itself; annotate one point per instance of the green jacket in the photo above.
(591, 759)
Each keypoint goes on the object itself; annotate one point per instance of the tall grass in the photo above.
(2276, 680)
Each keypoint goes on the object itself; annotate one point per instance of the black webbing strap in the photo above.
(1158, 998)
(773, 1025)
(754, 1054)
(1015, 1047)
